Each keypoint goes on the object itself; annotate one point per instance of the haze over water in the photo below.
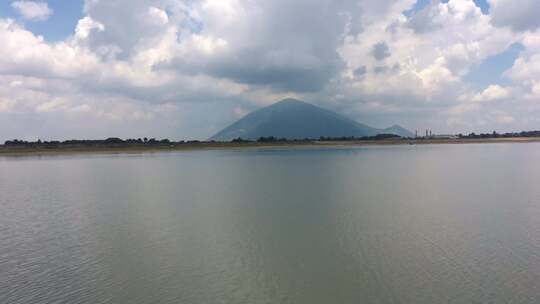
(400, 224)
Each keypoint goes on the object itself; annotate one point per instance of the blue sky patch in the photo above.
(420, 4)
(59, 26)
(491, 69)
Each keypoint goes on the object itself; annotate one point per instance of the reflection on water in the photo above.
(411, 224)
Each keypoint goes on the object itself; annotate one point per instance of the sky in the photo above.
(185, 69)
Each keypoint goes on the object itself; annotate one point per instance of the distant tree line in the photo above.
(494, 134)
(270, 139)
(352, 138)
(87, 142)
(115, 141)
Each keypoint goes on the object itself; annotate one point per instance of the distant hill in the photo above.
(398, 130)
(294, 119)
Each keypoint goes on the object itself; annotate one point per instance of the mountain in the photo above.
(398, 130)
(294, 119)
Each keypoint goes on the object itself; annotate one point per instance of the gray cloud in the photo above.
(360, 71)
(380, 51)
(291, 47)
(426, 20)
(518, 15)
(380, 69)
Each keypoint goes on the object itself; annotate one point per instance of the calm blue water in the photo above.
(404, 224)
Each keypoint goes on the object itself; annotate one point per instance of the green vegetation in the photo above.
(152, 142)
(523, 134)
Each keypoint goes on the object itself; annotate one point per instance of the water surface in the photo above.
(402, 224)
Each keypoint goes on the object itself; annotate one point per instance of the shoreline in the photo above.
(10, 151)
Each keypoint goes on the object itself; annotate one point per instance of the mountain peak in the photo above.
(290, 102)
(399, 130)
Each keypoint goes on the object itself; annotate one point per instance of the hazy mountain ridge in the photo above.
(294, 119)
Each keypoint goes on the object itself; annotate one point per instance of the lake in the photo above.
(396, 224)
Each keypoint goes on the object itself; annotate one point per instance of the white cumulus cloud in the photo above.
(491, 93)
(33, 10)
